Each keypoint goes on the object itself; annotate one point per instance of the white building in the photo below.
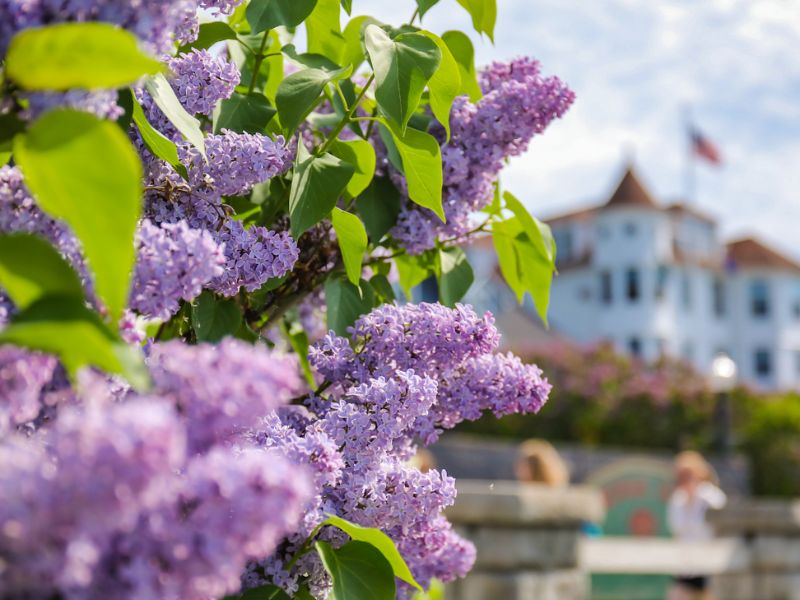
(655, 279)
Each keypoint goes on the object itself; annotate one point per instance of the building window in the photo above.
(635, 347)
(630, 229)
(632, 284)
(686, 290)
(762, 362)
(662, 274)
(759, 298)
(563, 239)
(797, 361)
(718, 296)
(606, 289)
(796, 309)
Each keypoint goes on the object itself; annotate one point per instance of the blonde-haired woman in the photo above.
(539, 462)
(695, 492)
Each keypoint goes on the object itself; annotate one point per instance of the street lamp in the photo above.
(722, 381)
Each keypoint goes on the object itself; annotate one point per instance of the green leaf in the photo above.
(298, 93)
(244, 113)
(86, 172)
(425, 5)
(379, 206)
(347, 5)
(454, 275)
(382, 287)
(503, 235)
(402, 67)
(445, 84)
(361, 155)
(523, 265)
(379, 540)
(464, 54)
(87, 55)
(298, 339)
(484, 15)
(358, 572)
(62, 325)
(10, 125)
(316, 186)
(209, 34)
(125, 101)
(352, 239)
(164, 96)
(538, 232)
(4, 157)
(159, 145)
(346, 302)
(267, 14)
(411, 271)
(30, 269)
(422, 165)
(214, 318)
(352, 51)
(309, 60)
(324, 30)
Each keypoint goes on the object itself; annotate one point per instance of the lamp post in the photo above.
(722, 381)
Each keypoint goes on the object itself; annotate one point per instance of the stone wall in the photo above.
(770, 531)
(527, 540)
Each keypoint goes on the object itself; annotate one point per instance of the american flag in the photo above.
(704, 148)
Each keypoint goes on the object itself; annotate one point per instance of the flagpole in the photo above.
(690, 180)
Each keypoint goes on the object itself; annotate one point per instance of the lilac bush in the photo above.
(203, 357)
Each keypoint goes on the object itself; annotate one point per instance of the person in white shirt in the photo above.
(694, 493)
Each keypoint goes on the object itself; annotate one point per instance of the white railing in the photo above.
(637, 555)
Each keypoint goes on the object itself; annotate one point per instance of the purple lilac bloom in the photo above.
(24, 376)
(236, 162)
(518, 104)
(405, 374)
(202, 79)
(131, 496)
(67, 494)
(173, 263)
(222, 390)
(229, 508)
(254, 256)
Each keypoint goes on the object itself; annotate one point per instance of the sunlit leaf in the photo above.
(89, 55)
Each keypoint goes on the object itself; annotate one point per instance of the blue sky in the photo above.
(634, 65)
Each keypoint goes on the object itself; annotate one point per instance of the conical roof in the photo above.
(631, 192)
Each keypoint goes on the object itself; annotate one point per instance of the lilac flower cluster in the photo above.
(202, 79)
(24, 379)
(236, 162)
(406, 373)
(173, 262)
(145, 496)
(253, 256)
(518, 103)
